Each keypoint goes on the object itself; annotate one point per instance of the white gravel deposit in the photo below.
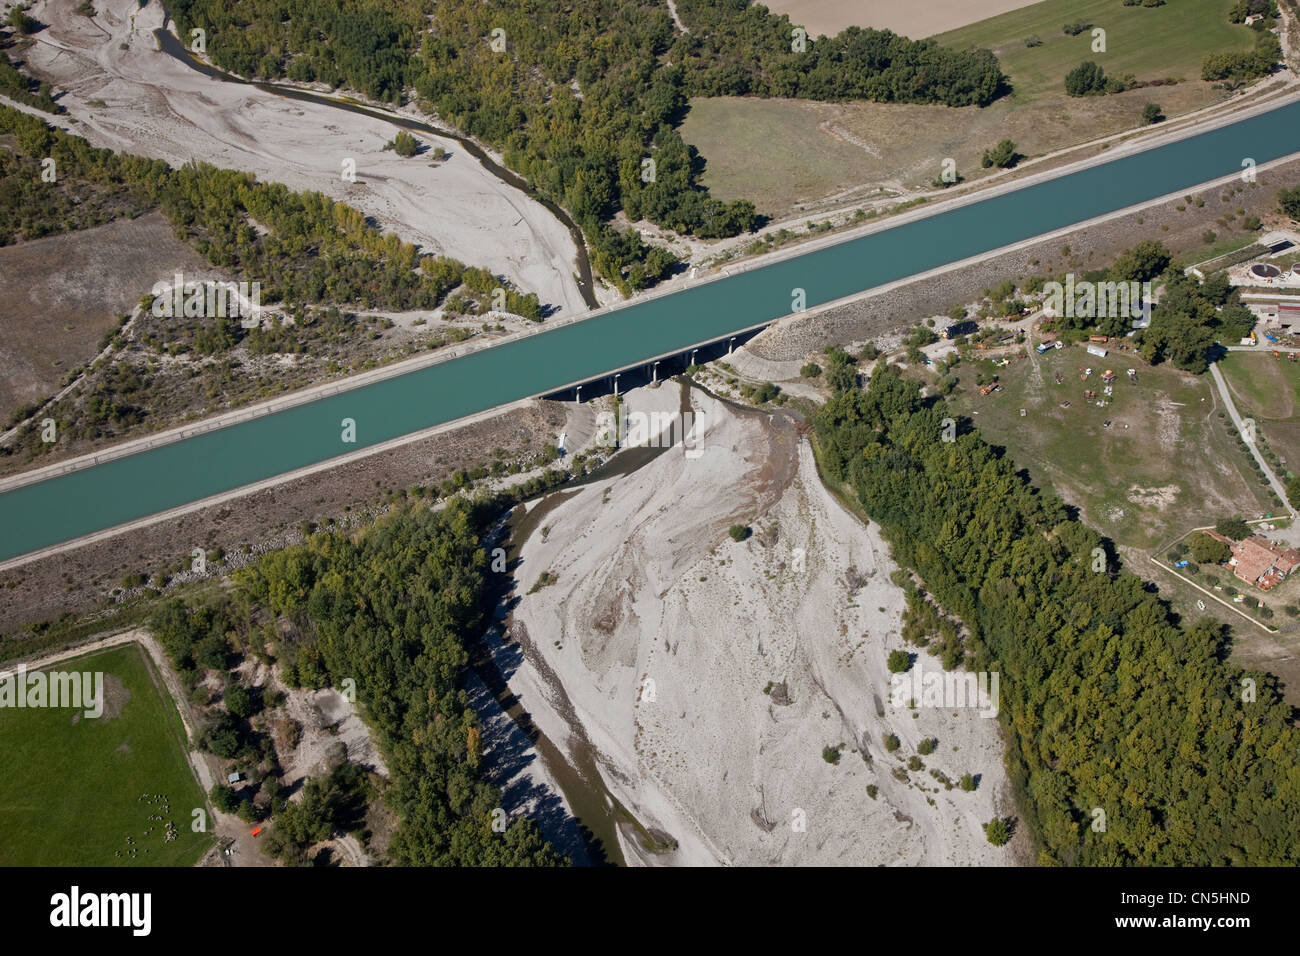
(663, 634)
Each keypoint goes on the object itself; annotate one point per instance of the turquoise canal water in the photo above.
(65, 507)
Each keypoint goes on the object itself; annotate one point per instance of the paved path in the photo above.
(1249, 435)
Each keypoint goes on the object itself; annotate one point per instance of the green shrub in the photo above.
(1289, 202)
(404, 144)
(224, 798)
(1003, 155)
(997, 832)
(1086, 79)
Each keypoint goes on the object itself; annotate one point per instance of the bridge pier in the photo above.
(611, 382)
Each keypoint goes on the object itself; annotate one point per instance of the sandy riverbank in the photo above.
(154, 105)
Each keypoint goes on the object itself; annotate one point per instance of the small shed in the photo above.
(1097, 350)
(233, 777)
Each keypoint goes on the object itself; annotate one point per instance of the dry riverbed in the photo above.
(708, 676)
(124, 94)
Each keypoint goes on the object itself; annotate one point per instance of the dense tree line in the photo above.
(1187, 322)
(737, 48)
(362, 45)
(310, 249)
(1107, 701)
(22, 88)
(393, 610)
(1261, 61)
(303, 247)
(580, 100)
(91, 187)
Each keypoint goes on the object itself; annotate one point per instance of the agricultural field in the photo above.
(1150, 42)
(829, 17)
(790, 155)
(1166, 463)
(76, 787)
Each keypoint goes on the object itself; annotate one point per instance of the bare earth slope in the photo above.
(63, 293)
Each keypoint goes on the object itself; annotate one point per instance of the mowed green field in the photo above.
(70, 794)
(1268, 389)
(1165, 464)
(1263, 386)
(1149, 42)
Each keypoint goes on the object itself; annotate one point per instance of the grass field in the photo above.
(71, 792)
(776, 153)
(1164, 465)
(783, 153)
(1268, 389)
(1175, 467)
(1149, 42)
(1263, 386)
(1222, 246)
